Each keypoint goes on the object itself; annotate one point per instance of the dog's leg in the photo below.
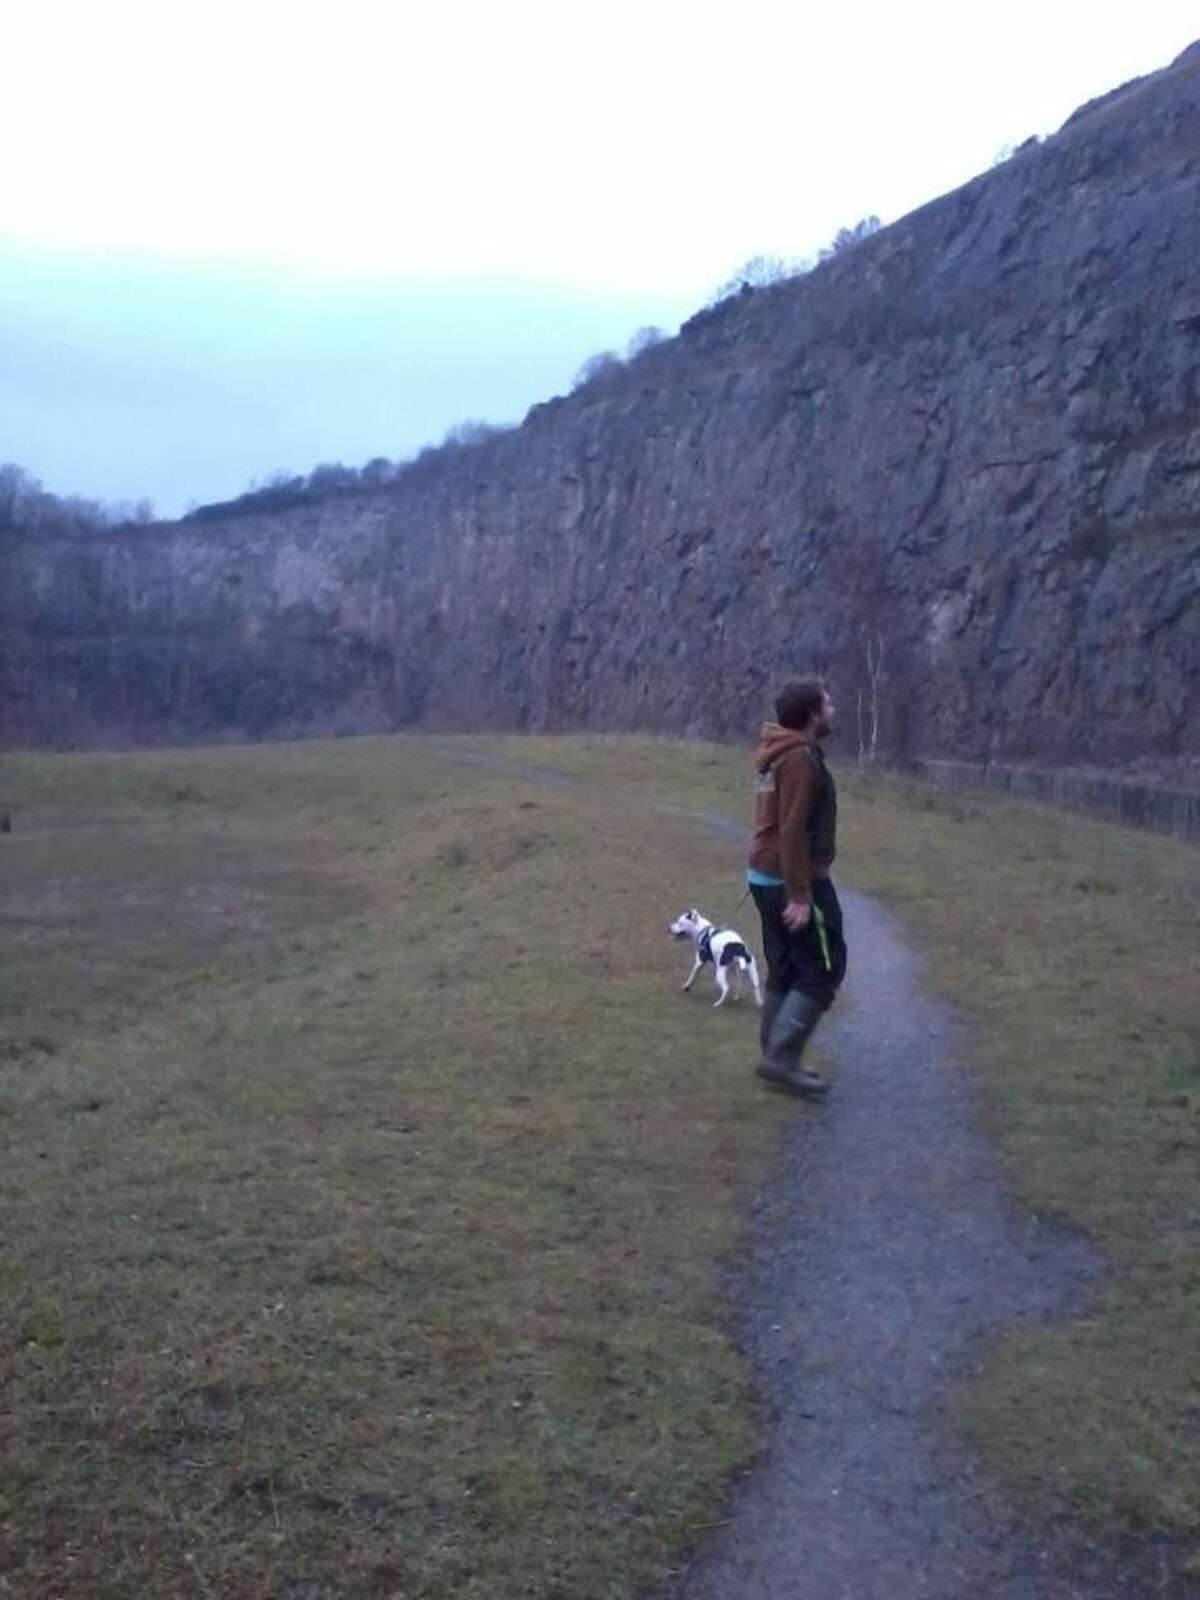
(723, 986)
(754, 981)
(691, 977)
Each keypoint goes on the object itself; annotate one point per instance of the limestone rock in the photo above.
(967, 449)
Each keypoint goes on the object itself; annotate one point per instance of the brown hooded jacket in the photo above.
(791, 839)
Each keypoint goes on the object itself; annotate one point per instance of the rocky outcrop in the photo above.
(957, 465)
(257, 626)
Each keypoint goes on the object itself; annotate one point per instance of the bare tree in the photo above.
(15, 484)
(471, 432)
(874, 649)
(24, 503)
(331, 476)
(845, 238)
(644, 339)
(758, 273)
(868, 654)
(597, 366)
(379, 470)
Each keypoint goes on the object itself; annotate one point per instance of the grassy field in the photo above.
(363, 1199)
(1074, 947)
(363, 1187)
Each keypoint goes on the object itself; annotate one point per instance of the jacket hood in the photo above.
(775, 740)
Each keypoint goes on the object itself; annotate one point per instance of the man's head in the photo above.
(805, 706)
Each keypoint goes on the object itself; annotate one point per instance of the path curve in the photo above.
(884, 1251)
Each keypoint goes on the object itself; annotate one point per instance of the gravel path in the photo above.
(883, 1251)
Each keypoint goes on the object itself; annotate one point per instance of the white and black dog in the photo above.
(728, 951)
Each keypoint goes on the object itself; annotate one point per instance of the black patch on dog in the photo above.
(735, 950)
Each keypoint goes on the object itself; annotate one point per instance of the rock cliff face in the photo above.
(958, 464)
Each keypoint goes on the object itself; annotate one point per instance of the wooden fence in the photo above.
(1123, 800)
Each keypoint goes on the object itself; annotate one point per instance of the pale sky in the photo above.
(241, 237)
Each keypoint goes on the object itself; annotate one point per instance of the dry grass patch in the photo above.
(365, 1199)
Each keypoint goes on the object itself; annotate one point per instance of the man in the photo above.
(791, 851)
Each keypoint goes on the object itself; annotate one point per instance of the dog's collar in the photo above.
(704, 943)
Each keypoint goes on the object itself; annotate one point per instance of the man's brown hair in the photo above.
(797, 701)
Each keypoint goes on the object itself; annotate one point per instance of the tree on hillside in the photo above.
(331, 476)
(16, 487)
(597, 366)
(644, 339)
(758, 273)
(24, 503)
(868, 657)
(471, 432)
(379, 470)
(846, 238)
(1008, 150)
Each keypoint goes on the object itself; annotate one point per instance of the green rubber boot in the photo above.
(796, 1017)
(772, 1000)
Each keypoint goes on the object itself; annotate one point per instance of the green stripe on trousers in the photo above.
(822, 936)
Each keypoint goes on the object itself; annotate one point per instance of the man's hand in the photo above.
(796, 914)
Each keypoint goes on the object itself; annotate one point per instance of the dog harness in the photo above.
(735, 950)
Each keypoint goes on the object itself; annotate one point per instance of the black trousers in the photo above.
(814, 959)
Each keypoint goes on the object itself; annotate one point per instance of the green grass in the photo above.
(364, 1196)
(364, 1202)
